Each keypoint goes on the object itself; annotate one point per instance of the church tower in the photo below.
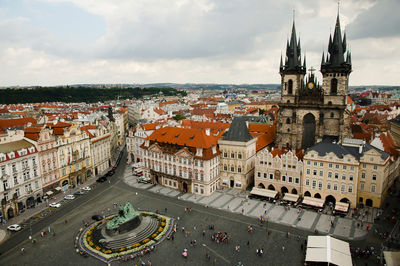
(336, 69)
(307, 111)
(292, 81)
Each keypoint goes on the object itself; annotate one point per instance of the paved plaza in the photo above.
(282, 235)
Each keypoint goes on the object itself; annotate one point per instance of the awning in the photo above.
(58, 188)
(392, 257)
(238, 184)
(225, 182)
(329, 250)
(264, 192)
(49, 193)
(319, 203)
(291, 197)
(341, 206)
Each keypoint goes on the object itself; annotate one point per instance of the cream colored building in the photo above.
(183, 159)
(74, 158)
(353, 172)
(279, 169)
(238, 155)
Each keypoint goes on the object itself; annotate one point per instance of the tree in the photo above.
(179, 117)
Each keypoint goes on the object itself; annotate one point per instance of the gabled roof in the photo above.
(183, 137)
(238, 131)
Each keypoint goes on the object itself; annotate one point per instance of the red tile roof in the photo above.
(183, 137)
(17, 122)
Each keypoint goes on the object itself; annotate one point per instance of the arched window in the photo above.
(288, 101)
(288, 130)
(288, 120)
(290, 90)
(329, 103)
(333, 86)
(332, 115)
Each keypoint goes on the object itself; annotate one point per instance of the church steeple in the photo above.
(293, 55)
(336, 49)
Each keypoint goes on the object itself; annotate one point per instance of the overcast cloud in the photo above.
(50, 42)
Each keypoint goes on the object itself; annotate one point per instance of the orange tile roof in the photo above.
(265, 138)
(59, 124)
(349, 100)
(184, 137)
(122, 110)
(151, 126)
(167, 103)
(17, 122)
(388, 144)
(159, 111)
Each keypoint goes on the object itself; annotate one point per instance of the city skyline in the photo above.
(54, 42)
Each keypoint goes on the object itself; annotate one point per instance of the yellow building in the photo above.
(73, 149)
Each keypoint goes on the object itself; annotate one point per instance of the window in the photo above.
(344, 177)
(364, 165)
(314, 184)
(362, 186)
(328, 186)
(201, 177)
(284, 178)
(363, 175)
(6, 196)
(343, 188)
(201, 163)
(375, 167)
(308, 171)
(334, 83)
(330, 165)
(320, 185)
(315, 164)
(332, 115)
(290, 179)
(308, 163)
(336, 176)
(258, 174)
(232, 155)
(225, 154)
(374, 177)
(330, 174)
(265, 175)
(240, 155)
(239, 169)
(352, 168)
(373, 188)
(337, 166)
(351, 178)
(321, 164)
(271, 176)
(321, 173)
(314, 172)
(17, 192)
(307, 182)
(350, 189)
(15, 180)
(296, 180)
(232, 168)
(225, 167)
(344, 167)
(334, 186)
(290, 89)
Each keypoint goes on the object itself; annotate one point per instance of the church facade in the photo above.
(308, 111)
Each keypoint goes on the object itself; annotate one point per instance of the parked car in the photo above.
(97, 218)
(110, 173)
(86, 189)
(14, 227)
(101, 179)
(69, 197)
(145, 180)
(77, 193)
(55, 205)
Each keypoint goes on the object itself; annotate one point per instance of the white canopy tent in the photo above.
(328, 249)
(319, 203)
(291, 197)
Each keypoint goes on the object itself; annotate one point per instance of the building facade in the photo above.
(21, 185)
(238, 153)
(183, 159)
(280, 170)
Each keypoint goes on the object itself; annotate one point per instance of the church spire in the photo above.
(293, 54)
(336, 50)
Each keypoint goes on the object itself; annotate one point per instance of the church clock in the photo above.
(310, 85)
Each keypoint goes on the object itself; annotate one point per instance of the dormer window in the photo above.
(214, 149)
(199, 151)
(11, 155)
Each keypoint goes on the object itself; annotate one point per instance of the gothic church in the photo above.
(309, 112)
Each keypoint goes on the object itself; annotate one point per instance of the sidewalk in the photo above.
(237, 201)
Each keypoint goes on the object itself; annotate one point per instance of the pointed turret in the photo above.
(336, 50)
(304, 62)
(323, 59)
(281, 65)
(293, 54)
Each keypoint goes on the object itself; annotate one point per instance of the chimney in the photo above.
(360, 148)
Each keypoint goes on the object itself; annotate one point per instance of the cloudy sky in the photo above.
(51, 42)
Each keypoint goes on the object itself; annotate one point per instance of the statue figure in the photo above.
(125, 213)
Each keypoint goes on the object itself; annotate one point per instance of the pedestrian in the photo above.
(22, 250)
(165, 210)
(204, 232)
(248, 243)
(65, 221)
(283, 248)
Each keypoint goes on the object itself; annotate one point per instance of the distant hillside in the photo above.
(79, 94)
